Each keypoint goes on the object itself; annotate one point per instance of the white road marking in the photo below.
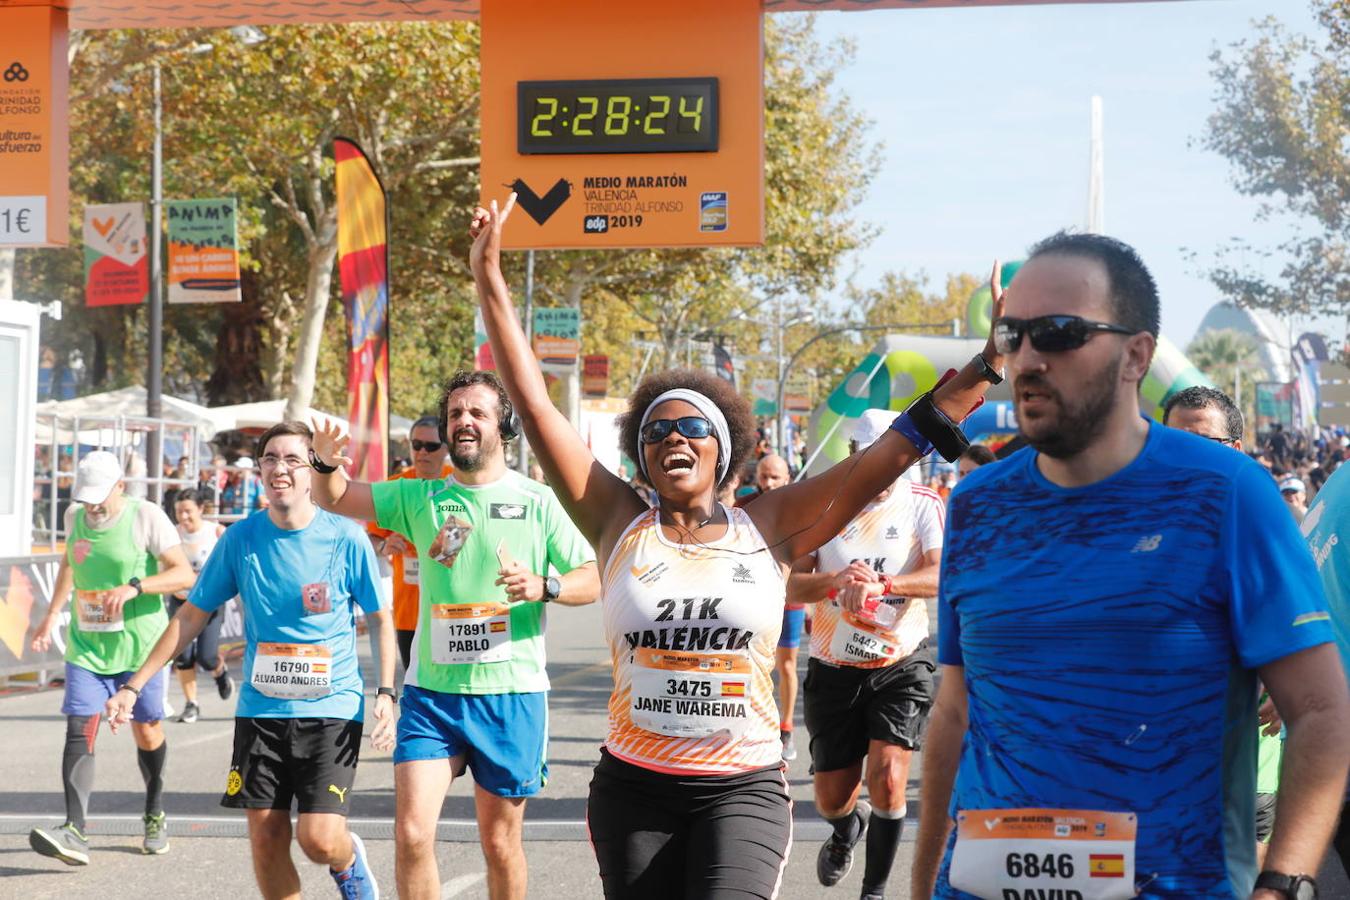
(460, 883)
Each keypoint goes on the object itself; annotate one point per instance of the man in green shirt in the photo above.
(121, 554)
(475, 693)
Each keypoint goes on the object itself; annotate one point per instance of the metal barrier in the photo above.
(117, 434)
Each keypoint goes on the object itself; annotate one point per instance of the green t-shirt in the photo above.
(102, 559)
(469, 640)
(1269, 754)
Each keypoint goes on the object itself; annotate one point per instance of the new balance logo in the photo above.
(341, 792)
(1147, 544)
(741, 575)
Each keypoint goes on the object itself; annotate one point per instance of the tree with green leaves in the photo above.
(1283, 122)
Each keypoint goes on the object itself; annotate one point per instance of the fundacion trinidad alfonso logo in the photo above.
(16, 72)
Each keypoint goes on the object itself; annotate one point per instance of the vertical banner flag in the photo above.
(1309, 352)
(595, 376)
(116, 265)
(764, 392)
(557, 337)
(482, 350)
(722, 363)
(363, 265)
(203, 264)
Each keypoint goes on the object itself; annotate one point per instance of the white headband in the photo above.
(710, 412)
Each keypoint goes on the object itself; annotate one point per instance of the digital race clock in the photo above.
(632, 115)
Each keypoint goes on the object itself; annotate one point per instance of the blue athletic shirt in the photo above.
(1322, 526)
(269, 568)
(1109, 635)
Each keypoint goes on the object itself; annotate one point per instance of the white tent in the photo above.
(99, 415)
(266, 413)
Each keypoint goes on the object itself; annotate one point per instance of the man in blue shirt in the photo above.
(1109, 596)
(301, 573)
(1326, 519)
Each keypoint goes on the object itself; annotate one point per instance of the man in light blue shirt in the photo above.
(301, 573)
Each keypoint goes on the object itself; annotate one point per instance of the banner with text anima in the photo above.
(116, 266)
(203, 251)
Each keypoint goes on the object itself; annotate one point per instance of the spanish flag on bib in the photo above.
(363, 266)
(1106, 865)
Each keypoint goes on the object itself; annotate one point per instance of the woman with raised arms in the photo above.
(689, 797)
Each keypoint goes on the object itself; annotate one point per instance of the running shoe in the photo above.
(225, 685)
(789, 746)
(874, 893)
(64, 843)
(357, 882)
(156, 835)
(191, 713)
(836, 857)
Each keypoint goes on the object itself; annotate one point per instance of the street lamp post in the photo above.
(154, 461)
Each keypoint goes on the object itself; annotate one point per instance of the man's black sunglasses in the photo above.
(689, 426)
(428, 446)
(1049, 334)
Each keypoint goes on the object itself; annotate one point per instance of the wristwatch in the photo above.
(1295, 887)
(387, 692)
(986, 371)
(135, 584)
(319, 465)
(552, 588)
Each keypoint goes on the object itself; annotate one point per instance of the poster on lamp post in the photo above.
(116, 265)
(557, 337)
(595, 376)
(203, 261)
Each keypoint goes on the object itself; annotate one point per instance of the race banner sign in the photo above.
(203, 264)
(34, 126)
(595, 376)
(116, 265)
(764, 391)
(557, 338)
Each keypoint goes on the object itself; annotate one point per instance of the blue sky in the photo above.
(984, 115)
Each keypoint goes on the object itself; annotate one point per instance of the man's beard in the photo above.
(1079, 421)
(472, 458)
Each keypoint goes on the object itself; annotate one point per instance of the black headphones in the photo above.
(508, 425)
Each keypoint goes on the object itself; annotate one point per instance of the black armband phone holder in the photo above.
(944, 434)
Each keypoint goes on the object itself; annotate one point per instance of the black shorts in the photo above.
(275, 760)
(1265, 817)
(846, 707)
(657, 835)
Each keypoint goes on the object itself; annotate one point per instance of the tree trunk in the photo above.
(318, 285)
(7, 273)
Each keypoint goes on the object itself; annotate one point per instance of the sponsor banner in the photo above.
(203, 259)
(797, 403)
(116, 264)
(764, 392)
(363, 265)
(722, 363)
(595, 376)
(34, 127)
(557, 338)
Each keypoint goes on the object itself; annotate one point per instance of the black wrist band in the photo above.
(944, 434)
(127, 687)
(987, 372)
(387, 692)
(319, 465)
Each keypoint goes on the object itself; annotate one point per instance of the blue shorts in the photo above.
(793, 619)
(504, 737)
(87, 693)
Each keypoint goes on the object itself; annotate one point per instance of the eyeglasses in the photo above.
(690, 426)
(1221, 440)
(428, 446)
(271, 460)
(1049, 334)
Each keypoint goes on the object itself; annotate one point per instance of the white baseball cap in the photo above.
(871, 425)
(97, 475)
(243, 462)
(1290, 484)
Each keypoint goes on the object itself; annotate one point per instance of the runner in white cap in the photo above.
(869, 684)
(121, 555)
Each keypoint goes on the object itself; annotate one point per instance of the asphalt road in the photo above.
(209, 852)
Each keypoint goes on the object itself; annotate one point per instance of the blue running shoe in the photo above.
(357, 882)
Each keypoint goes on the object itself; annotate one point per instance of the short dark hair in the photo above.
(468, 378)
(980, 455)
(279, 429)
(721, 392)
(1201, 397)
(1134, 294)
(197, 496)
(426, 422)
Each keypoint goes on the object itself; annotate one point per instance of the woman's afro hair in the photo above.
(720, 391)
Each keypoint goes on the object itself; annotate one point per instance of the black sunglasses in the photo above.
(1049, 334)
(690, 426)
(428, 446)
